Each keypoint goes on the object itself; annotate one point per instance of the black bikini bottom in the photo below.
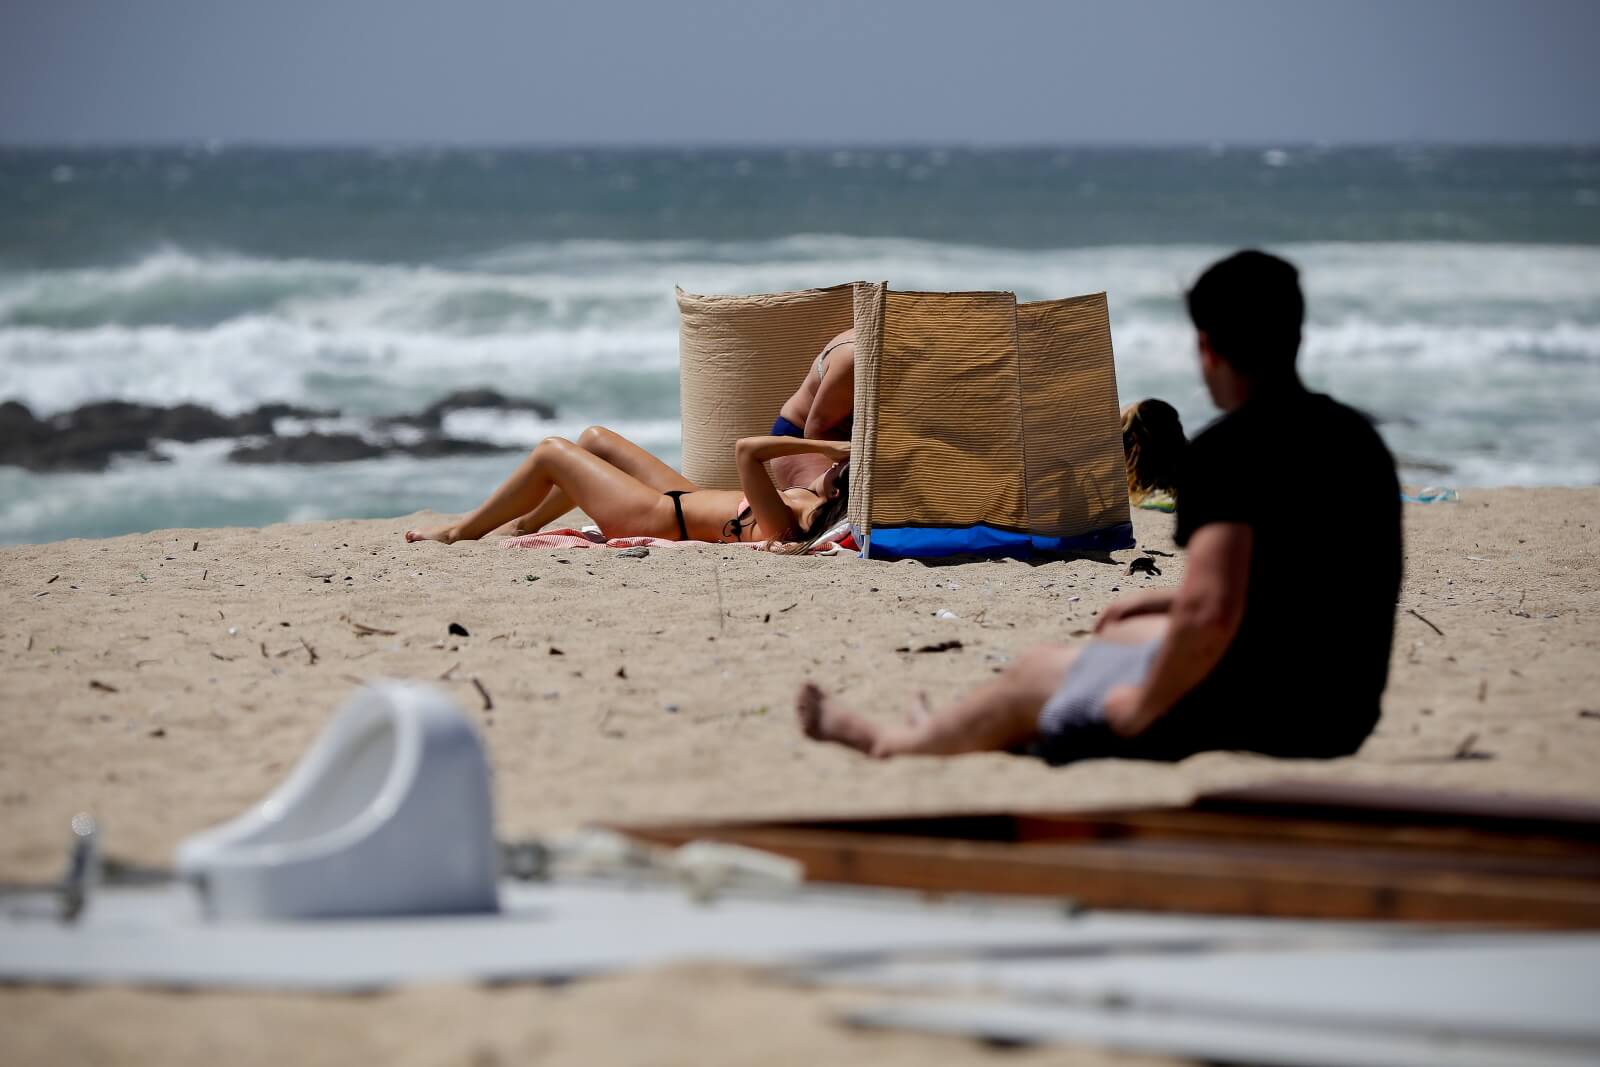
(677, 507)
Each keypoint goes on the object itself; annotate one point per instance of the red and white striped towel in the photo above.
(593, 538)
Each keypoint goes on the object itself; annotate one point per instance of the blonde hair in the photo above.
(1153, 444)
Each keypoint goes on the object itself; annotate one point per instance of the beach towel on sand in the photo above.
(593, 538)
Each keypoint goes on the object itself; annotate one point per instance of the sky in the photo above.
(798, 71)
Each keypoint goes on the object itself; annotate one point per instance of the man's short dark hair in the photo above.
(1251, 308)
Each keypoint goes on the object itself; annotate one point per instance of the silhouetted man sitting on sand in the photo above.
(1276, 641)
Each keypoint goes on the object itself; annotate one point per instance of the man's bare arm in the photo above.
(1204, 617)
(1144, 602)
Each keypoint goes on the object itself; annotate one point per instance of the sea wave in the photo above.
(574, 284)
(239, 364)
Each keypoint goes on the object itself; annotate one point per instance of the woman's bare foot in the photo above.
(823, 719)
(446, 534)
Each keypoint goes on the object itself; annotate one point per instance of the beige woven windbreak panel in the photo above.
(1077, 480)
(739, 359)
(948, 448)
(864, 435)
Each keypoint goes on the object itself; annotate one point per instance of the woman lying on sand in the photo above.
(630, 493)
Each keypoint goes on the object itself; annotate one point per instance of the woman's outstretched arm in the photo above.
(766, 503)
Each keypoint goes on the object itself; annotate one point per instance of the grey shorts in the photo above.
(1073, 722)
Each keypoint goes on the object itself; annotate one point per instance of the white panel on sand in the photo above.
(561, 930)
(1525, 999)
(1216, 1038)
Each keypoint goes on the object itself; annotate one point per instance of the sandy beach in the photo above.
(165, 681)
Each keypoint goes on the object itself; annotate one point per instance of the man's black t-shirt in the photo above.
(1316, 485)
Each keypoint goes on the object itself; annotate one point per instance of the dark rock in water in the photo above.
(189, 423)
(345, 447)
(468, 399)
(88, 443)
(90, 437)
(436, 447)
(309, 448)
(37, 444)
(21, 435)
(259, 423)
(19, 427)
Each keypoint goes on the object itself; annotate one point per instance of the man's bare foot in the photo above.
(446, 534)
(823, 719)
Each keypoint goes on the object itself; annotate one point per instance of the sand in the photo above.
(167, 680)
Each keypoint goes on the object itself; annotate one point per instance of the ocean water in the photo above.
(1454, 293)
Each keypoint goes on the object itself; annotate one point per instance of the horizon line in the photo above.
(219, 144)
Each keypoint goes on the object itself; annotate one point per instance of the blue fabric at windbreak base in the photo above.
(1107, 539)
(933, 542)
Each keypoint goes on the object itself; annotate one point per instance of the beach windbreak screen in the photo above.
(1454, 295)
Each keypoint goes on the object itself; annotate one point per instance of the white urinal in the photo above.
(389, 814)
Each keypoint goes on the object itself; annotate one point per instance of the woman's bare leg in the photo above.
(555, 504)
(615, 499)
(620, 453)
(996, 716)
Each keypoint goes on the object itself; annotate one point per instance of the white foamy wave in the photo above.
(524, 428)
(168, 286)
(574, 285)
(1149, 344)
(243, 363)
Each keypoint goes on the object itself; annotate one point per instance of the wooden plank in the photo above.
(1285, 849)
(1031, 828)
(1554, 816)
(1265, 882)
(1301, 831)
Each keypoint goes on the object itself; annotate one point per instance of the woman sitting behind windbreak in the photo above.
(1153, 444)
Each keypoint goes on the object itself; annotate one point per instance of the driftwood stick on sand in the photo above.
(363, 630)
(1431, 626)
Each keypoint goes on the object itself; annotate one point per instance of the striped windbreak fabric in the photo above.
(739, 359)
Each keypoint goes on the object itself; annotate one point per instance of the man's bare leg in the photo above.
(998, 715)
